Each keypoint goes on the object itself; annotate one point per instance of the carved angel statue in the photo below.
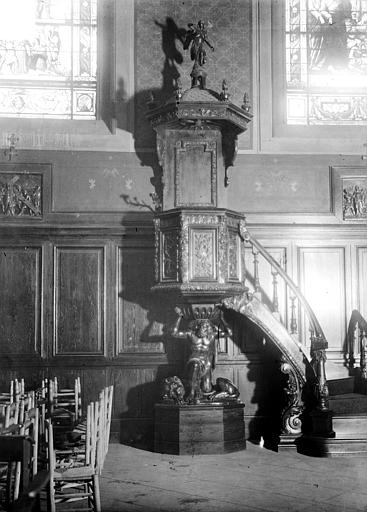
(195, 39)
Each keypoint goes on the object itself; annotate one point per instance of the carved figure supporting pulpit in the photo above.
(201, 362)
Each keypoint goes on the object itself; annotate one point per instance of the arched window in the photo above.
(48, 59)
(326, 62)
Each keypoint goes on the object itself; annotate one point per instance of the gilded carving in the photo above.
(233, 255)
(222, 245)
(157, 223)
(21, 194)
(170, 261)
(203, 255)
(184, 250)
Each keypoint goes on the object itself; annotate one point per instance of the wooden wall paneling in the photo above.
(79, 300)
(110, 312)
(361, 288)
(141, 314)
(127, 403)
(93, 380)
(20, 301)
(322, 278)
(48, 299)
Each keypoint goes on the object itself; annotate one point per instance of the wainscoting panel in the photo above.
(361, 280)
(20, 301)
(79, 301)
(140, 311)
(322, 281)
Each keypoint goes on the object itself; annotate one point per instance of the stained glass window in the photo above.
(48, 58)
(326, 62)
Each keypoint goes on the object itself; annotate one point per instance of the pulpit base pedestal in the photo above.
(212, 428)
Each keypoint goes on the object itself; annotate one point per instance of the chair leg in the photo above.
(51, 506)
(96, 493)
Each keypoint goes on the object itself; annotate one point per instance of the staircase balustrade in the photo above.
(318, 344)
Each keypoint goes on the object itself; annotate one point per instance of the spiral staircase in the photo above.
(321, 417)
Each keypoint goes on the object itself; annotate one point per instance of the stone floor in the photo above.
(255, 479)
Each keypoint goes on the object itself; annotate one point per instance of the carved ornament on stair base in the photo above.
(291, 421)
(318, 361)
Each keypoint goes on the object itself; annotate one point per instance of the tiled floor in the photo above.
(255, 479)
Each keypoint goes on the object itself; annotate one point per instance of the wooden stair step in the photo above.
(351, 424)
(341, 386)
(346, 446)
(348, 403)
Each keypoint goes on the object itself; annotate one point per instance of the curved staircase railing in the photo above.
(357, 342)
(315, 360)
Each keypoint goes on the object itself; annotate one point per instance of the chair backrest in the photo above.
(26, 403)
(11, 414)
(30, 428)
(66, 398)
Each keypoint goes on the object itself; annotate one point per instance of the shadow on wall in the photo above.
(147, 316)
(263, 370)
(142, 101)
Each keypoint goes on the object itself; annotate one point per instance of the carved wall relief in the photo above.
(21, 194)
(350, 193)
(354, 198)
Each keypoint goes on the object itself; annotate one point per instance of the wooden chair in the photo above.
(11, 472)
(69, 398)
(107, 397)
(29, 500)
(76, 477)
(15, 449)
(16, 391)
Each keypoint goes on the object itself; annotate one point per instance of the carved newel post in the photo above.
(197, 244)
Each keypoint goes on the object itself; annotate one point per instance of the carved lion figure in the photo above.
(173, 389)
(225, 390)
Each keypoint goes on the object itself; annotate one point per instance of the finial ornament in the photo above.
(178, 89)
(195, 38)
(246, 103)
(224, 94)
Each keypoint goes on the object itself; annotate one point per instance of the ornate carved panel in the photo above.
(140, 314)
(79, 301)
(20, 300)
(350, 194)
(204, 254)
(170, 255)
(24, 191)
(233, 256)
(196, 173)
(322, 281)
(355, 198)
